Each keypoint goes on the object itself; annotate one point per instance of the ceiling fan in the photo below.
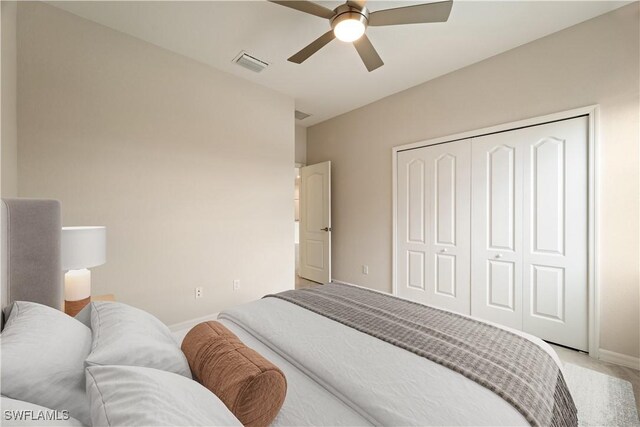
(349, 22)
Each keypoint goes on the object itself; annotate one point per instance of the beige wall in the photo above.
(189, 168)
(301, 145)
(9, 136)
(595, 62)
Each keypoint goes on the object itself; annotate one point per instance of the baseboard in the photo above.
(342, 282)
(188, 324)
(619, 359)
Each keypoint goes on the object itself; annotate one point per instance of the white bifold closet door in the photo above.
(529, 230)
(433, 235)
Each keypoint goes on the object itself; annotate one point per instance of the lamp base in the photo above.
(73, 307)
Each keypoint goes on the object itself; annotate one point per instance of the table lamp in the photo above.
(82, 248)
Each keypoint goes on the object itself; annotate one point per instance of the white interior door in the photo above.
(496, 260)
(433, 235)
(315, 222)
(529, 254)
(555, 245)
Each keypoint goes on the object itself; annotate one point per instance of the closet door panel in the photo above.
(500, 183)
(412, 204)
(496, 265)
(444, 208)
(415, 173)
(449, 248)
(433, 227)
(555, 245)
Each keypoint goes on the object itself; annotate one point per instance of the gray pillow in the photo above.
(42, 354)
(21, 413)
(84, 316)
(135, 396)
(124, 335)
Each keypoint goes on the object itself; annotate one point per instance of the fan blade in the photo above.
(312, 48)
(358, 4)
(421, 13)
(307, 7)
(368, 53)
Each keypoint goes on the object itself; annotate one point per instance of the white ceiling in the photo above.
(334, 80)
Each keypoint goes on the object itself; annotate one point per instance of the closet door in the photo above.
(433, 234)
(555, 242)
(529, 255)
(496, 254)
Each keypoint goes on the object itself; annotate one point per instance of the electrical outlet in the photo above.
(199, 292)
(236, 284)
(365, 269)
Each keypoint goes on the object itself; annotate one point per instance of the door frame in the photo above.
(592, 113)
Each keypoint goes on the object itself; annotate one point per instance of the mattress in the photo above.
(339, 376)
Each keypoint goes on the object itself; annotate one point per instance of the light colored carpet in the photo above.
(601, 400)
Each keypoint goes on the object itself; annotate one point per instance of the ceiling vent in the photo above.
(301, 116)
(250, 62)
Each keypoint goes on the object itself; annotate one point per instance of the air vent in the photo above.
(250, 62)
(301, 116)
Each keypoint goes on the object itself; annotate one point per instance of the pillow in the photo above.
(84, 316)
(135, 396)
(42, 355)
(20, 413)
(252, 387)
(124, 335)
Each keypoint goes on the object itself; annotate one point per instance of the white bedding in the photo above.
(337, 375)
(307, 403)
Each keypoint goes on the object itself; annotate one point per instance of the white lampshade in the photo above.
(83, 247)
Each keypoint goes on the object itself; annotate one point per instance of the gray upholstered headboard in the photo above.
(31, 269)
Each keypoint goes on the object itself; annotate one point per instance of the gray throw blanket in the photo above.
(511, 366)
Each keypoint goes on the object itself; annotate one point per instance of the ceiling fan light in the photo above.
(349, 30)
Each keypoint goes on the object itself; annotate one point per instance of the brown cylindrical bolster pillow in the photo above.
(252, 387)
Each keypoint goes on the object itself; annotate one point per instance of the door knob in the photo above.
(325, 229)
(498, 255)
(444, 250)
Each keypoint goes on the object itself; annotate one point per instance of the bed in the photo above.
(339, 370)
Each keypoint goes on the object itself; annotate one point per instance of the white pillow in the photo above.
(20, 413)
(124, 335)
(135, 396)
(42, 354)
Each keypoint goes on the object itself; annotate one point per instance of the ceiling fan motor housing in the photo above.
(345, 12)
